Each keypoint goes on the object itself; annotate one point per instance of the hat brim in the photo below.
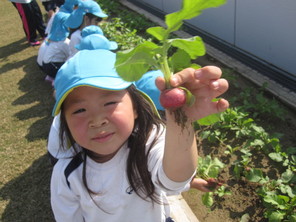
(116, 86)
(96, 82)
(113, 45)
(100, 14)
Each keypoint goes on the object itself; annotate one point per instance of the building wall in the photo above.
(265, 29)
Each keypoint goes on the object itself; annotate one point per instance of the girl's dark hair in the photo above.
(137, 163)
(90, 17)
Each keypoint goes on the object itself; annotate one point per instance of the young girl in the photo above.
(126, 159)
(88, 13)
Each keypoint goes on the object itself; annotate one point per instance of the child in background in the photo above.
(66, 7)
(92, 29)
(88, 13)
(126, 160)
(54, 51)
(93, 38)
(50, 8)
(59, 3)
(31, 16)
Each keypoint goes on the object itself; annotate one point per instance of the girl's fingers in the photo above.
(160, 83)
(183, 77)
(222, 105)
(219, 87)
(203, 75)
(208, 73)
(191, 77)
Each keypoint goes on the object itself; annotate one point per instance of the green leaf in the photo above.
(195, 66)
(158, 32)
(276, 157)
(190, 98)
(287, 176)
(245, 218)
(209, 120)
(214, 168)
(291, 150)
(179, 60)
(131, 65)
(286, 189)
(190, 9)
(193, 46)
(208, 167)
(276, 216)
(237, 171)
(292, 218)
(254, 175)
(277, 200)
(207, 199)
(134, 68)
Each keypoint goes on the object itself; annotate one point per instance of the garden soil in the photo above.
(243, 198)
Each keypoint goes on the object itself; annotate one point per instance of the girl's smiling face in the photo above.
(100, 120)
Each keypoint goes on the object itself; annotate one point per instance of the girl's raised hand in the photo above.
(205, 84)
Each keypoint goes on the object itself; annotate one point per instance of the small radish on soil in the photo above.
(213, 183)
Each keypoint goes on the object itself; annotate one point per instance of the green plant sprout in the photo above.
(209, 169)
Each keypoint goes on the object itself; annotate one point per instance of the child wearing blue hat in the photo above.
(67, 7)
(87, 13)
(93, 38)
(54, 51)
(125, 159)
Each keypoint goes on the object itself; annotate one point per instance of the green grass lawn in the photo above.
(26, 102)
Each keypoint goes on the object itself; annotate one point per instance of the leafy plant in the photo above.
(209, 169)
(279, 199)
(259, 104)
(132, 20)
(133, 64)
(116, 30)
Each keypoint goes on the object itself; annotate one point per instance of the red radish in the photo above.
(213, 183)
(172, 98)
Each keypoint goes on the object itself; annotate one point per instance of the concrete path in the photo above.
(181, 212)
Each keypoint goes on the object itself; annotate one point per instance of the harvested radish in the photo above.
(172, 98)
(132, 64)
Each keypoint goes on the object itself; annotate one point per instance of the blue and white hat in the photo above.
(96, 41)
(94, 68)
(87, 6)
